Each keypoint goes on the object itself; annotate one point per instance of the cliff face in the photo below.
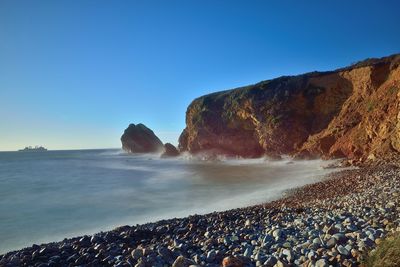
(351, 112)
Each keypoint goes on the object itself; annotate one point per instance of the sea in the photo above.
(49, 196)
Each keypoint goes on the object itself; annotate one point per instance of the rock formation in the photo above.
(140, 139)
(170, 151)
(351, 112)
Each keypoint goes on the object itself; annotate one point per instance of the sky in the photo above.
(75, 74)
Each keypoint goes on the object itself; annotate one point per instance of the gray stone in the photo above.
(166, 254)
(342, 250)
(289, 254)
(271, 261)
(248, 252)
(137, 253)
(182, 262)
(331, 242)
(321, 263)
(341, 238)
(277, 233)
(211, 255)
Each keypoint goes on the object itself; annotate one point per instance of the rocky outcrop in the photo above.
(170, 151)
(351, 112)
(140, 139)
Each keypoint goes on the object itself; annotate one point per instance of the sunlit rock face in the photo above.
(351, 112)
(140, 139)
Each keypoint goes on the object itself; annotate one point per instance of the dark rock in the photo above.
(84, 241)
(140, 139)
(137, 253)
(182, 262)
(170, 151)
(43, 251)
(72, 258)
(340, 237)
(271, 261)
(342, 250)
(331, 242)
(166, 255)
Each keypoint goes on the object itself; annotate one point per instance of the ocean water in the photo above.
(48, 196)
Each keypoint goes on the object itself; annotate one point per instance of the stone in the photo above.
(85, 241)
(277, 233)
(321, 263)
(166, 254)
(343, 251)
(281, 264)
(182, 262)
(234, 238)
(141, 263)
(248, 252)
(267, 238)
(232, 261)
(289, 254)
(340, 238)
(95, 239)
(331, 242)
(140, 139)
(271, 261)
(317, 241)
(311, 255)
(170, 151)
(211, 255)
(137, 253)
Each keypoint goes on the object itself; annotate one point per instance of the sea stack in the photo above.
(170, 151)
(140, 139)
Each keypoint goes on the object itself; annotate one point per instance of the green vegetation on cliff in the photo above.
(351, 112)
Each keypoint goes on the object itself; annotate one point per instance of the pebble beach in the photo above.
(335, 222)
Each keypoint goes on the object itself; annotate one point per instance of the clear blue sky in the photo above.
(74, 74)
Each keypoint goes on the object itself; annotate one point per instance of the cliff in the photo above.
(351, 112)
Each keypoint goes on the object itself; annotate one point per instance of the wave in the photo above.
(89, 191)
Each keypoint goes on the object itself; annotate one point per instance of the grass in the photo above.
(387, 253)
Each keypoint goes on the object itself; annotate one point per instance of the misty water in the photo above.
(48, 196)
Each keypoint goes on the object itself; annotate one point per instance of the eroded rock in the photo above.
(140, 139)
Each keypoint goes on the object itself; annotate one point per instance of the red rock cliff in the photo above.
(352, 112)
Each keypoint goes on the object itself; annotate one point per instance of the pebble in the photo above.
(271, 261)
(321, 263)
(232, 261)
(182, 262)
(342, 250)
(332, 222)
(137, 253)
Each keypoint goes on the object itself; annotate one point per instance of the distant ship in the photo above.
(33, 149)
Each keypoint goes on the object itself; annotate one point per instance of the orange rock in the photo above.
(232, 261)
(352, 112)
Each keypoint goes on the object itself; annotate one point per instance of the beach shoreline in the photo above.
(332, 222)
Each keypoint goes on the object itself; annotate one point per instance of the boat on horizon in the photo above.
(33, 149)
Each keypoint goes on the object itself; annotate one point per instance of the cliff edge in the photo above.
(351, 112)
